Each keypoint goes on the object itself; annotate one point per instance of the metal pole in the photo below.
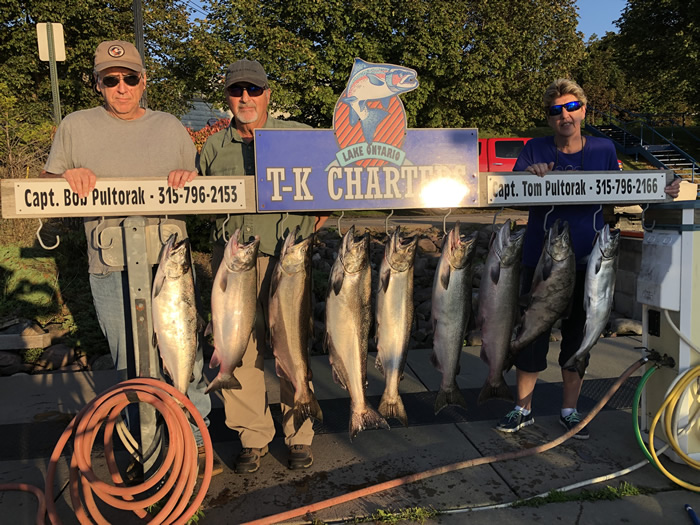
(53, 75)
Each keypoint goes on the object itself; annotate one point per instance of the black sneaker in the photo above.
(248, 460)
(514, 421)
(300, 456)
(571, 421)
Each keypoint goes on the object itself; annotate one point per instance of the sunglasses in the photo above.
(253, 91)
(113, 80)
(569, 107)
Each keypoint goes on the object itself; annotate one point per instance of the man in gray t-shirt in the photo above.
(122, 139)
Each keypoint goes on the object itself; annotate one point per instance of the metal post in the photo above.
(53, 75)
(145, 355)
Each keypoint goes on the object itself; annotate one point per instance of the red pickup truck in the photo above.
(500, 154)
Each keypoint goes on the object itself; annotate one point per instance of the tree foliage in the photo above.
(480, 63)
(659, 49)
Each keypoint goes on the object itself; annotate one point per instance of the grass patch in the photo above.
(606, 493)
(412, 514)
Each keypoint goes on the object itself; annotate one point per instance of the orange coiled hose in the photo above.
(176, 476)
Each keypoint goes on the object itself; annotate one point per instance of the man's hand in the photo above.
(540, 169)
(178, 178)
(673, 189)
(81, 181)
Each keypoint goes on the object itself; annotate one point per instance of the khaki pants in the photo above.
(247, 410)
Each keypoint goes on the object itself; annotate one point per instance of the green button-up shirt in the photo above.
(225, 153)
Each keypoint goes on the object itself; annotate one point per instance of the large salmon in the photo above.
(394, 315)
(450, 311)
(175, 318)
(498, 307)
(552, 288)
(347, 328)
(599, 291)
(233, 303)
(291, 323)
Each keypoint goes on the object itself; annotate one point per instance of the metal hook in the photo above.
(281, 226)
(38, 237)
(599, 210)
(644, 224)
(386, 222)
(160, 230)
(546, 216)
(493, 224)
(224, 235)
(96, 236)
(444, 221)
(342, 214)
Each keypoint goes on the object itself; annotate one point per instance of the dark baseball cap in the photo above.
(246, 71)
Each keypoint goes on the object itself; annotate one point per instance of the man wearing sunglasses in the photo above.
(565, 108)
(122, 139)
(231, 152)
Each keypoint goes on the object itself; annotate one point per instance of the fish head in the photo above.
(608, 242)
(509, 244)
(175, 257)
(400, 252)
(558, 244)
(460, 249)
(354, 254)
(401, 79)
(296, 256)
(239, 257)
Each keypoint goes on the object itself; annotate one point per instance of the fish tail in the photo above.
(223, 381)
(498, 391)
(305, 409)
(393, 408)
(449, 396)
(366, 419)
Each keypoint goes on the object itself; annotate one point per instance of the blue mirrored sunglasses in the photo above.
(570, 107)
(253, 91)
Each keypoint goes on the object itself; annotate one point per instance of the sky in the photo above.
(597, 16)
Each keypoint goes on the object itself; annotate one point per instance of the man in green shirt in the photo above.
(231, 152)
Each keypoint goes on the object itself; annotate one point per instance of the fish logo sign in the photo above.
(369, 118)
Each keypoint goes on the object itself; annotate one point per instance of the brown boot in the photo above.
(217, 468)
(248, 460)
(300, 456)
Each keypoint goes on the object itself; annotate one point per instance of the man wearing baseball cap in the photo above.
(231, 152)
(122, 139)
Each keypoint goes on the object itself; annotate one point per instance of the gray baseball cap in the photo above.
(246, 71)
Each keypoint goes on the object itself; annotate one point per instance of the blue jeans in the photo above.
(110, 295)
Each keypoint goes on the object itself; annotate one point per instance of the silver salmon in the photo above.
(394, 314)
(233, 303)
(552, 288)
(451, 308)
(498, 307)
(348, 318)
(291, 323)
(175, 318)
(599, 291)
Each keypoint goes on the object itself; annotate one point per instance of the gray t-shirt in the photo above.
(152, 145)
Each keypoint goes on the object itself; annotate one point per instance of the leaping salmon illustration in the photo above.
(375, 82)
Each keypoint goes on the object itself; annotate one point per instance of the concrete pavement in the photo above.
(36, 408)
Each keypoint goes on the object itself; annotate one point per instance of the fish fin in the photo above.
(223, 381)
(386, 101)
(369, 418)
(378, 364)
(495, 273)
(336, 279)
(497, 391)
(547, 268)
(154, 340)
(393, 409)
(215, 358)
(576, 364)
(449, 396)
(384, 276)
(167, 372)
(280, 371)
(375, 80)
(158, 283)
(434, 360)
(581, 367)
(209, 330)
(338, 379)
(444, 275)
(370, 123)
(305, 409)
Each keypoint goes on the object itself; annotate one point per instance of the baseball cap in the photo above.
(246, 71)
(117, 53)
